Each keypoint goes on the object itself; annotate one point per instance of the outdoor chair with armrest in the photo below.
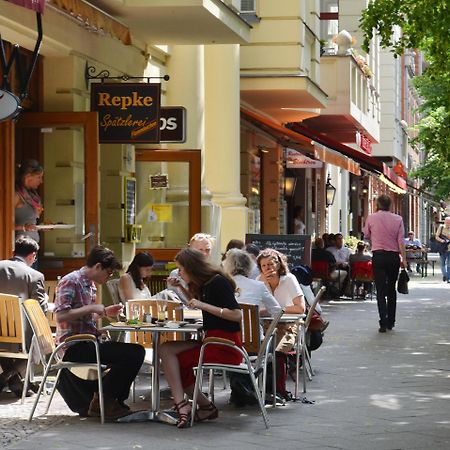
(12, 329)
(301, 347)
(254, 370)
(361, 272)
(43, 342)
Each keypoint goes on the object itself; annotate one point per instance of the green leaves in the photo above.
(421, 24)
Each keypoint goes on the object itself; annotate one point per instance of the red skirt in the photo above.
(213, 354)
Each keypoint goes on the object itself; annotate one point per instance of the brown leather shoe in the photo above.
(113, 410)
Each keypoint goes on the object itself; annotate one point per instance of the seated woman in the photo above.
(132, 284)
(211, 291)
(239, 265)
(286, 289)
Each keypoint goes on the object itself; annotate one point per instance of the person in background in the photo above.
(27, 202)
(385, 231)
(17, 277)
(287, 291)
(361, 255)
(443, 236)
(233, 243)
(319, 253)
(133, 283)
(253, 250)
(211, 291)
(412, 243)
(341, 254)
(299, 220)
(77, 312)
(203, 243)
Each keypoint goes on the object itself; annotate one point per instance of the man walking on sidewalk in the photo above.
(385, 230)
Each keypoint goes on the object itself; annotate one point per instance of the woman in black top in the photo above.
(212, 291)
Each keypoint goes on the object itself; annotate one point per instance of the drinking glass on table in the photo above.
(135, 312)
(162, 307)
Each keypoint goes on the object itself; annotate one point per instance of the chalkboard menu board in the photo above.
(130, 200)
(297, 247)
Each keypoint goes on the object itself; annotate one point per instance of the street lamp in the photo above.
(330, 192)
(289, 186)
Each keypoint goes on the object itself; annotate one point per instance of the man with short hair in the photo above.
(385, 230)
(341, 254)
(17, 277)
(76, 313)
(412, 243)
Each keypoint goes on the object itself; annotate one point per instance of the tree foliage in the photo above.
(425, 26)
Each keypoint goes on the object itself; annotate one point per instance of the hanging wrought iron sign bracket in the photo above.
(103, 75)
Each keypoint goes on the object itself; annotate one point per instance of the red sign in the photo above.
(363, 142)
(35, 5)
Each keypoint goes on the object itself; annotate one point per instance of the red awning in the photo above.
(366, 161)
(287, 137)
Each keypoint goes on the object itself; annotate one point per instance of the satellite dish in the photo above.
(9, 105)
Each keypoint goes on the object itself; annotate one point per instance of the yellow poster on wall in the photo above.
(160, 212)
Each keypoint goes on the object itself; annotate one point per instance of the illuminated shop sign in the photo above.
(127, 112)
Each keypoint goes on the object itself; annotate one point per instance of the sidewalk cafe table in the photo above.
(285, 318)
(154, 414)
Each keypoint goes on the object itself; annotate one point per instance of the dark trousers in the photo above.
(123, 361)
(386, 266)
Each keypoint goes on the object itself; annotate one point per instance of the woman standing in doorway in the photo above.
(27, 202)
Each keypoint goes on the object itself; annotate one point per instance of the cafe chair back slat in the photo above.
(43, 343)
(50, 289)
(250, 328)
(157, 283)
(12, 330)
(301, 345)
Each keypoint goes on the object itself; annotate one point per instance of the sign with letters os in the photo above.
(127, 112)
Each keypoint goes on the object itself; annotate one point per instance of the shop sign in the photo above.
(173, 124)
(363, 142)
(159, 181)
(35, 5)
(127, 112)
(296, 160)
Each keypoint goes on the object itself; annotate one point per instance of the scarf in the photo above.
(32, 198)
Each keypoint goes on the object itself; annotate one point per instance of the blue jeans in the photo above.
(445, 264)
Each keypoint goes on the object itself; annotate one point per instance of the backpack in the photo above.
(303, 273)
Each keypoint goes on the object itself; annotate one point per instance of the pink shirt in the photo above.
(385, 230)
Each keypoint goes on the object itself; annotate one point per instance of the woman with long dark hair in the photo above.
(27, 202)
(133, 283)
(211, 291)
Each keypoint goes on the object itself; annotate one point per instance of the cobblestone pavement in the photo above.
(371, 391)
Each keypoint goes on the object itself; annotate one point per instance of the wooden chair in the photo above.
(361, 272)
(254, 370)
(12, 329)
(250, 337)
(43, 342)
(157, 283)
(174, 312)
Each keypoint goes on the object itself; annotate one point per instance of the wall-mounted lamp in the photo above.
(330, 192)
(353, 188)
(365, 190)
(289, 186)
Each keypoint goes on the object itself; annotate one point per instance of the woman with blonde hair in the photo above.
(211, 291)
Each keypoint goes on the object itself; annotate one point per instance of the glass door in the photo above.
(168, 200)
